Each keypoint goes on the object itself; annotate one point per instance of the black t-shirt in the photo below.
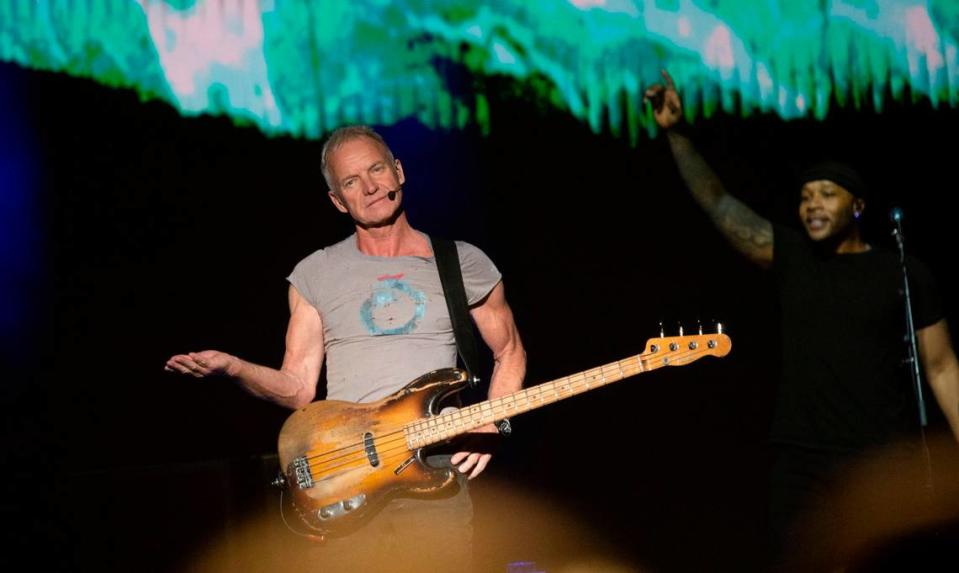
(844, 385)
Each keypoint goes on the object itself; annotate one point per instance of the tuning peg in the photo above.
(719, 328)
(699, 326)
(662, 333)
(680, 327)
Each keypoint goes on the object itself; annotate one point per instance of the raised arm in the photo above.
(941, 369)
(746, 231)
(294, 384)
(494, 319)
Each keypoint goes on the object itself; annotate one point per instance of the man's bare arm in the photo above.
(494, 319)
(746, 231)
(294, 384)
(941, 369)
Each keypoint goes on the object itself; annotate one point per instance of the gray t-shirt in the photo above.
(385, 321)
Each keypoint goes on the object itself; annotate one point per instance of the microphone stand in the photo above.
(913, 359)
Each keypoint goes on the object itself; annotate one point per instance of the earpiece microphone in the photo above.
(391, 195)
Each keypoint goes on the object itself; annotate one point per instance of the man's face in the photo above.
(827, 210)
(363, 175)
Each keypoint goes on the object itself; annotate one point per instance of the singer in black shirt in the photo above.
(844, 386)
(843, 389)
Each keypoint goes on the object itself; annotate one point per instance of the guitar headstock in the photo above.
(680, 350)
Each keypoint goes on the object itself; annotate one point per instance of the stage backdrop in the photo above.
(147, 220)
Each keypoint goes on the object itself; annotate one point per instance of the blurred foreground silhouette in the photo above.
(890, 511)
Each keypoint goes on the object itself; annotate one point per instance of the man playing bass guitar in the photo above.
(372, 306)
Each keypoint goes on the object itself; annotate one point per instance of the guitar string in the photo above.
(466, 412)
(383, 438)
(359, 456)
(398, 444)
(395, 440)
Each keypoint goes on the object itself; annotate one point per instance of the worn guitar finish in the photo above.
(341, 461)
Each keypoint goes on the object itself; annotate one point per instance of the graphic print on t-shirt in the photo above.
(394, 307)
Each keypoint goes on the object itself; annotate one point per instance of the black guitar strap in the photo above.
(451, 277)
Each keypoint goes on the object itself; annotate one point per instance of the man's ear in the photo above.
(337, 202)
(858, 206)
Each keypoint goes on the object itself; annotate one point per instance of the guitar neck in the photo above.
(662, 351)
(426, 431)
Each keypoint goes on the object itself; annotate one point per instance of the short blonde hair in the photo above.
(342, 135)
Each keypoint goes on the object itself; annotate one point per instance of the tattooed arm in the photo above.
(749, 233)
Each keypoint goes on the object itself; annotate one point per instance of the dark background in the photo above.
(160, 234)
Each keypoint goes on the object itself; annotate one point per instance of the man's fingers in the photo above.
(464, 467)
(673, 105)
(669, 80)
(466, 461)
(656, 102)
(481, 464)
(185, 365)
(473, 461)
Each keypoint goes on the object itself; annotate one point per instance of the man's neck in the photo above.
(851, 247)
(849, 244)
(852, 243)
(398, 239)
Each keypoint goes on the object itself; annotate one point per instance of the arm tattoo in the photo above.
(748, 233)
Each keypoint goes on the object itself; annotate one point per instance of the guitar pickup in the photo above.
(370, 448)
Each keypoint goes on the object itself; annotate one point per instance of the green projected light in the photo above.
(302, 68)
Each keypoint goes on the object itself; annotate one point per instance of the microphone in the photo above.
(895, 216)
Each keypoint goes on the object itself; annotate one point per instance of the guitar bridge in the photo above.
(302, 473)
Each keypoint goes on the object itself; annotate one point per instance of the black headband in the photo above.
(839, 173)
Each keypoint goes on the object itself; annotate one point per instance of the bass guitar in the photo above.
(340, 461)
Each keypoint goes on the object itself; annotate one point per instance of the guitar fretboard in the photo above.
(426, 431)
